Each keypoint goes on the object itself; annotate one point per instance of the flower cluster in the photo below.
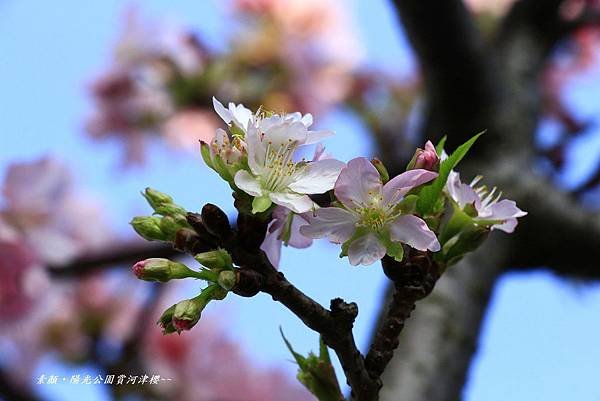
(292, 201)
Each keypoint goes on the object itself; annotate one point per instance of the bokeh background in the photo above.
(101, 99)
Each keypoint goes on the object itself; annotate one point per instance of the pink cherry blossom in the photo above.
(488, 205)
(369, 215)
(187, 127)
(18, 266)
(284, 223)
(43, 207)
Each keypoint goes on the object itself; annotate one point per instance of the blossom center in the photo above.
(374, 218)
(279, 166)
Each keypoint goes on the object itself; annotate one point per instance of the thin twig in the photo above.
(124, 254)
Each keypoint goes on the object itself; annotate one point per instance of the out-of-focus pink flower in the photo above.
(188, 127)
(313, 39)
(43, 208)
(18, 268)
(133, 99)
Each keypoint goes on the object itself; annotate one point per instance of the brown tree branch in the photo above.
(124, 254)
(459, 86)
(558, 233)
(414, 279)
(256, 274)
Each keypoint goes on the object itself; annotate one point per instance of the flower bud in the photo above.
(159, 269)
(148, 227)
(227, 279)
(426, 159)
(216, 221)
(166, 321)
(383, 173)
(170, 225)
(215, 260)
(187, 312)
(170, 209)
(156, 198)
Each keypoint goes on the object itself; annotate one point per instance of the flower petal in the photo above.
(366, 250)
(504, 209)
(335, 223)
(414, 232)
(358, 184)
(318, 177)
(248, 183)
(295, 202)
(400, 185)
(462, 194)
(222, 111)
(316, 136)
(271, 245)
(241, 116)
(508, 226)
(284, 133)
(297, 240)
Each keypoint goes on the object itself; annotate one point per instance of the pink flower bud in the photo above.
(183, 324)
(138, 269)
(426, 159)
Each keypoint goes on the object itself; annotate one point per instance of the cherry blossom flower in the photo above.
(369, 219)
(42, 206)
(284, 228)
(186, 127)
(487, 204)
(133, 99)
(273, 175)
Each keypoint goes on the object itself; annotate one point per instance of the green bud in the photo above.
(148, 227)
(383, 173)
(160, 269)
(227, 279)
(218, 259)
(156, 198)
(188, 312)
(166, 321)
(169, 227)
(170, 209)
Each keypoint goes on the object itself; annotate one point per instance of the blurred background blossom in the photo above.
(68, 301)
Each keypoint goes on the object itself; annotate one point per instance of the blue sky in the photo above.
(540, 337)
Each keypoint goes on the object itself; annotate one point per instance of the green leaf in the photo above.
(316, 373)
(429, 194)
(439, 148)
